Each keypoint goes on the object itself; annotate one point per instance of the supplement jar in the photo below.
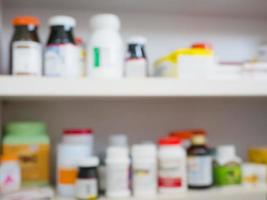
(144, 167)
(105, 48)
(62, 57)
(30, 143)
(227, 169)
(79, 136)
(172, 166)
(117, 172)
(87, 182)
(25, 47)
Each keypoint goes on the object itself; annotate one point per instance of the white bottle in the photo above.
(117, 172)
(105, 48)
(62, 58)
(68, 156)
(10, 174)
(144, 166)
(172, 166)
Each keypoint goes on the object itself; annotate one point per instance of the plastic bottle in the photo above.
(117, 172)
(10, 174)
(199, 162)
(136, 64)
(30, 142)
(227, 169)
(62, 56)
(68, 156)
(105, 48)
(172, 166)
(144, 167)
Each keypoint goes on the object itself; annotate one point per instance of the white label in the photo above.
(62, 60)
(9, 177)
(117, 177)
(86, 188)
(172, 173)
(26, 58)
(199, 170)
(144, 177)
(136, 68)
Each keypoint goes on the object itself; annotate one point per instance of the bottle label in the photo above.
(67, 175)
(199, 170)
(136, 68)
(228, 174)
(172, 173)
(9, 177)
(144, 177)
(62, 60)
(34, 161)
(86, 189)
(26, 58)
(117, 178)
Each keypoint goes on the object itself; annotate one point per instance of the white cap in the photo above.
(89, 162)
(61, 20)
(118, 140)
(144, 150)
(117, 152)
(137, 40)
(105, 21)
(226, 151)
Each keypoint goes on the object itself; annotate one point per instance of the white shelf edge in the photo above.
(41, 87)
(225, 193)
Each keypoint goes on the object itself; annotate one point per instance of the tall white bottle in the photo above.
(105, 48)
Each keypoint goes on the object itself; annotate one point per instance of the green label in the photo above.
(227, 174)
(96, 57)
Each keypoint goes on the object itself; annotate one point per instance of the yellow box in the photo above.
(257, 155)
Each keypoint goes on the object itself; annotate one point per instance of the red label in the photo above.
(170, 182)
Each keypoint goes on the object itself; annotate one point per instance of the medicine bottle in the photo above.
(199, 162)
(25, 47)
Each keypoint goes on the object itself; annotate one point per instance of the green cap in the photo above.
(25, 128)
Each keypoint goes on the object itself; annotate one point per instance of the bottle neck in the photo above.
(136, 51)
(26, 32)
(61, 35)
(199, 140)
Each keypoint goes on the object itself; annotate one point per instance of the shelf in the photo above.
(229, 8)
(35, 87)
(231, 193)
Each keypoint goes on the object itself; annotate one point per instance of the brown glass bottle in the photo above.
(25, 30)
(199, 163)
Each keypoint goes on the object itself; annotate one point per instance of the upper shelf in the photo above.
(236, 8)
(34, 87)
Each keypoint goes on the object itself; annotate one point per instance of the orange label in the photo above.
(34, 161)
(67, 175)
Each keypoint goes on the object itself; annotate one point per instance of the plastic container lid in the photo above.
(118, 140)
(117, 152)
(184, 135)
(89, 162)
(166, 141)
(226, 151)
(144, 150)
(201, 46)
(61, 20)
(25, 20)
(137, 40)
(74, 131)
(27, 128)
(105, 21)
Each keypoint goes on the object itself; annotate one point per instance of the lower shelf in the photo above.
(227, 193)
